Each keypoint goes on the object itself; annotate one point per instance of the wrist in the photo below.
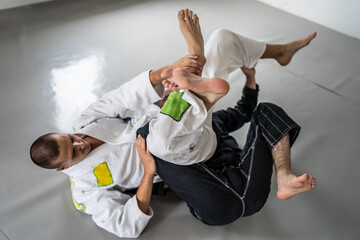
(250, 78)
(250, 83)
(149, 175)
(155, 75)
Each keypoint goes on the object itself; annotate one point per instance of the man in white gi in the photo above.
(104, 158)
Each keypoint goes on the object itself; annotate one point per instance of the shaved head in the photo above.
(44, 151)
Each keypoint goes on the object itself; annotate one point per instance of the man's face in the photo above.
(72, 149)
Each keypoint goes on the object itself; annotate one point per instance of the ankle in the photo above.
(283, 173)
(202, 60)
(198, 51)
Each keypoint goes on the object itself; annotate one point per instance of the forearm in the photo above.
(143, 195)
(136, 95)
(155, 76)
(250, 82)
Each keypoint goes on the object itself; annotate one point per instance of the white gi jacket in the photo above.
(99, 179)
(115, 165)
(187, 140)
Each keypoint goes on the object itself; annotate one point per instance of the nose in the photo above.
(79, 144)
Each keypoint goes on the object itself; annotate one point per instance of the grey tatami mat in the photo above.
(119, 39)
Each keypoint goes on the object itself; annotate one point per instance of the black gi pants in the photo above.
(234, 182)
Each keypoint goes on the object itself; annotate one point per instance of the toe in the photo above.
(186, 15)
(181, 15)
(196, 18)
(165, 83)
(303, 178)
(312, 36)
(191, 15)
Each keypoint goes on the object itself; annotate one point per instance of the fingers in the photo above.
(248, 71)
(140, 144)
(243, 68)
(189, 62)
(190, 56)
(145, 156)
(191, 59)
(142, 150)
(193, 70)
(148, 153)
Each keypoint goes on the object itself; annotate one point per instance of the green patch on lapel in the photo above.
(175, 106)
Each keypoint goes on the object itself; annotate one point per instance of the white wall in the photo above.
(4, 4)
(340, 15)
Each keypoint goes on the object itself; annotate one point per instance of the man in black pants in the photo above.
(234, 182)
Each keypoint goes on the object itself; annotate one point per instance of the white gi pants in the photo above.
(191, 138)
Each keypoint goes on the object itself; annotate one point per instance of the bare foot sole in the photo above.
(291, 48)
(290, 185)
(190, 29)
(210, 90)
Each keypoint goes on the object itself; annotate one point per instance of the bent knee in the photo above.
(220, 218)
(221, 35)
(222, 213)
(266, 105)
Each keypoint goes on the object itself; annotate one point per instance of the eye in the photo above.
(72, 141)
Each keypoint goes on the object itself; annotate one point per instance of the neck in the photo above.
(94, 142)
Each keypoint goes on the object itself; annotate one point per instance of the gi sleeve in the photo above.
(182, 133)
(234, 118)
(136, 95)
(114, 211)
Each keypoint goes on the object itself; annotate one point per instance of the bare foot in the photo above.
(190, 29)
(290, 49)
(289, 185)
(210, 90)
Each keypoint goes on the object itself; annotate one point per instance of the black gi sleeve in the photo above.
(232, 119)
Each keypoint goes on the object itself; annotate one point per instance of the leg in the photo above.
(226, 51)
(210, 90)
(279, 132)
(288, 184)
(283, 53)
(190, 29)
(207, 198)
